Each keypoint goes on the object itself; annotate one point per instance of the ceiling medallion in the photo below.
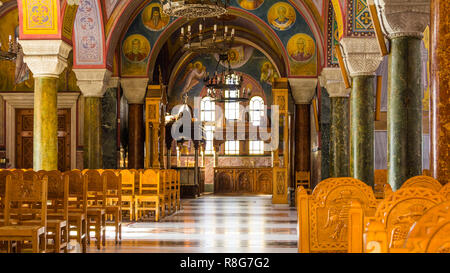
(195, 8)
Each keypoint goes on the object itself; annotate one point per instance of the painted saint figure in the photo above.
(300, 54)
(135, 54)
(281, 16)
(250, 4)
(153, 19)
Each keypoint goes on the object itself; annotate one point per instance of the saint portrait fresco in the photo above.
(281, 16)
(250, 4)
(136, 48)
(154, 18)
(301, 47)
(194, 75)
(268, 73)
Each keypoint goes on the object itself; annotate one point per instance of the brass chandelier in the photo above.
(220, 42)
(13, 48)
(191, 9)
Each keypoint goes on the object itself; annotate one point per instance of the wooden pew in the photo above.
(25, 199)
(445, 191)
(380, 178)
(431, 233)
(423, 181)
(395, 215)
(323, 216)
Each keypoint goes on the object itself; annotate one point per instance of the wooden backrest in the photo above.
(58, 191)
(380, 178)
(431, 233)
(112, 181)
(400, 210)
(150, 183)
(3, 175)
(28, 175)
(96, 188)
(128, 182)
(326, 211)
(423, 181)
(303, 179)
(445, 191)
(26, 200)
(77, 190)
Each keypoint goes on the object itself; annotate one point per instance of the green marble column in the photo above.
(339, 137)
(362, 129)
(404, 111)
(92, 133)
(45, 135)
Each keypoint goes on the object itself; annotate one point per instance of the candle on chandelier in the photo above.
(215, 27)
(200, 27)
(226, 29)
(182, 31)
(10, 38)
(189, 28)
(232, 32)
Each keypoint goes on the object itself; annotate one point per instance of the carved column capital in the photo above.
(45, 58)
(134, 89)
(361, 55)
(93, 82)
(331, 79)
(303, 90)
(403, 17)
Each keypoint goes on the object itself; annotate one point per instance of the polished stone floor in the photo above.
(211, 224)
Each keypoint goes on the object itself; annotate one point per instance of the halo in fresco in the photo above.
(281, 16)
(153, 18)
(136, 48)
(250, 4)
(301, 48)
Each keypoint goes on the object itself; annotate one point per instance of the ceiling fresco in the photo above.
(280, 30)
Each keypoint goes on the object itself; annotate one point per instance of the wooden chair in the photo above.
(168, 197)
(57, 211)
(77, 208)
(431, 234)
(25, 200)
(394, 217)
(323, 216)
(380, 178)
(303, 179)
(445, 191)
(423, 181)
(128, 187)
(114, 201)
(150, 196)
(176, 179)
(96, 212)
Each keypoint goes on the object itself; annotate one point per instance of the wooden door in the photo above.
(24, 139)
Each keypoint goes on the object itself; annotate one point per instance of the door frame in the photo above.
(25, 100)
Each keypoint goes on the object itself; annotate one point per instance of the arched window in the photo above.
(208, 111)
(256, 110)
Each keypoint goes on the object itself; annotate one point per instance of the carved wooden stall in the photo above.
(243, 180)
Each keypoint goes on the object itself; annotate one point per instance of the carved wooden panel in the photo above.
(24, 139)
(243, 180)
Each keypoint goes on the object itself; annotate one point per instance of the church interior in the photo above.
(264, 126)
